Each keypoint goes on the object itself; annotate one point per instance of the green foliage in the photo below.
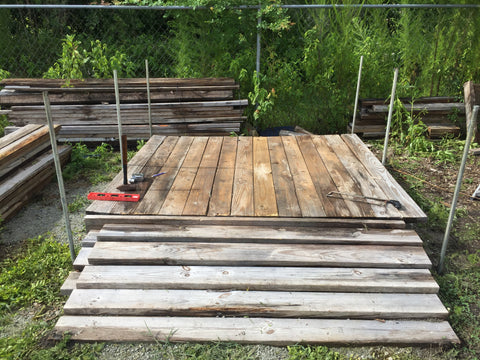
(299, 352)
(30, 344)
(35, 276)
(3, 123)
(97, 62)
(96, 165)
(77, 204)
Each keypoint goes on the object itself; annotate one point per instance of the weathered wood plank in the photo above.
(138, 302)
(82, 259)
(97, 221)
(199, 197)
(28, 171)
(90, 239)
(242, 196)
(18, 134)
(135, 165)
(255, 330)
(258, 278)
(308, 199)
(265, 202)
(321, 179)
(287, 202)
(175, 253)
(293, 235)
(341, 178)
(361, 177)
(178, 193)
(70, 283)
(155, 196)
(410, 210)
(220, 201)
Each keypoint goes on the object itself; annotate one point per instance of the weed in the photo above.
(96, 165)
(3, 123)
(77, 204)
(36, 276)
(300, 352)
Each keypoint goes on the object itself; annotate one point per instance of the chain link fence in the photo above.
(307, 57)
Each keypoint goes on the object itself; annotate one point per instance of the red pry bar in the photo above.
(113, 196)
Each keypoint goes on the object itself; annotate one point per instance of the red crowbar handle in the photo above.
(113, 196)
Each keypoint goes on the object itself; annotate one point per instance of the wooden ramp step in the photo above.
(137, 302)
(178, 253)
(254, 330)
(258, 234)
(258, 279)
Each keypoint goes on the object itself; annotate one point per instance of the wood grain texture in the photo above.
(410, 210)
(287, 202)
(257, 234)
(308, 199)
(242, 197)
(138, 302)
(96, 221)
(176, 253)
(227, 277)
(220, 201)
(263, 190)
(255, 330)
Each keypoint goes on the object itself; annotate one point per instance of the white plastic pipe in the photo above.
(390, 112)
(357, 93)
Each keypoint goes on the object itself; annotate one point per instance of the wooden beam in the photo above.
(258, 279)
(254, 330)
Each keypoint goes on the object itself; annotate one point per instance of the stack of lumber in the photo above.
(275, 285)
(87, 111)
(26, 166)
(435, 112)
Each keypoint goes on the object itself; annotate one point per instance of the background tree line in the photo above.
(309, 59)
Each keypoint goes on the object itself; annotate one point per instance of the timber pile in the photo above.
(26, 166)
(87, 111)
(435, 112)
(254, 284)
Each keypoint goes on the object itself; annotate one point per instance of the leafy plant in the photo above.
(97, 165)
(97, 62)
(300, 352)
(35, 276)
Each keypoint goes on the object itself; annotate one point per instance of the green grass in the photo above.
(96, 166)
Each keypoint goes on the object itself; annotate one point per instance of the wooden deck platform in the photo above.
(238, 241)
(287, 177)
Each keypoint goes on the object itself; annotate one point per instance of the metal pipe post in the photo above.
(259, 23)
(149, 99)
(119, 117)
(357, 93)
(390, 112)
(468, 141)
(58, 170)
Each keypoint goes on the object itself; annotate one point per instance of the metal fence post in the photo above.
(390, 112)
(259, 23)
(468, 140)
(58, 170)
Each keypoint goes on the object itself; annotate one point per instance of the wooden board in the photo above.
(255, 330)
(174, 253)
(137, 302)
(257, 234)
(227, 277)
(96, 221)
(384, 179)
